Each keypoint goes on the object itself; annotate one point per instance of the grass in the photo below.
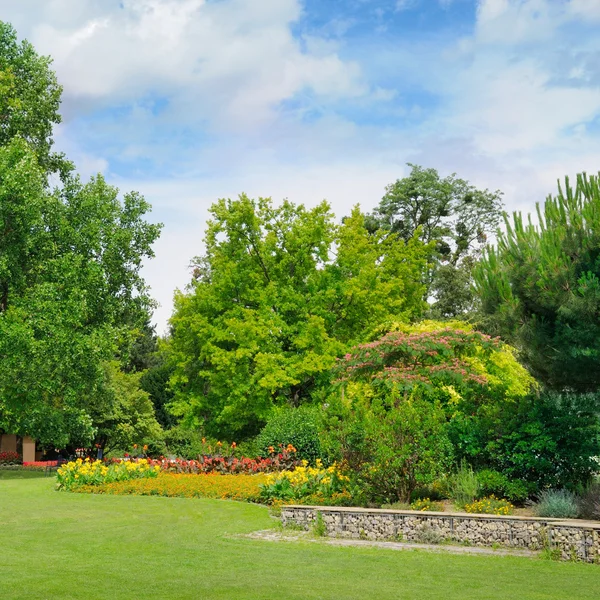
(79, 546)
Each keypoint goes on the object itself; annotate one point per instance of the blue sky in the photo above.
(188, 101)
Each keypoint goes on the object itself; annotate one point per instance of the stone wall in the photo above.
(571, 539)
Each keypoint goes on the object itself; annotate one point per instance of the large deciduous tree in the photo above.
(540, 287)
(449, 213)
(70, 290)
(71, 294)
(279, 293)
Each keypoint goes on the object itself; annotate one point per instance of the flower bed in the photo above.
(280, 461)
(232, 487)
(307, 485)
(10, 458)
(94, 473)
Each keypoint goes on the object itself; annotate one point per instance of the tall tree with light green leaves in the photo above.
(279, 294)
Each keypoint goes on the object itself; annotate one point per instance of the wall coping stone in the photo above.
(476, 516)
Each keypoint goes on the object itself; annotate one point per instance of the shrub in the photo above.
(425, 504)
(438, 490)
(497, 484)
(184, 443)
(560, 504)
(295, 426)
(463, 486)
(589, 502)
(490, 506)
(87, 472)
(222, 487)
(10, 458)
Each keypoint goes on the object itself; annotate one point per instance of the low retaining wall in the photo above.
(572, 540)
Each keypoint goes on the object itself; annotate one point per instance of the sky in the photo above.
(188, 101)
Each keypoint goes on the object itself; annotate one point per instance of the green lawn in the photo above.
(60, 546)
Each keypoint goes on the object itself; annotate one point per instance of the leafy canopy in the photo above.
(452, 215)
(70, 291)
(277, 297)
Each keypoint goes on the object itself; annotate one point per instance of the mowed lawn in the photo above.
(58, 545)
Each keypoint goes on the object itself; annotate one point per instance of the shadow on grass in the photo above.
(20, 474)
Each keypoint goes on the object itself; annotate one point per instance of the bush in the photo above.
(438, 490)
(490, 506)
(463, 486)
(497, 484)
(559, 504)
(589, 502)
(296, 426)
(184, 443)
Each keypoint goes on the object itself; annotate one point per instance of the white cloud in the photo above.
(233, 60)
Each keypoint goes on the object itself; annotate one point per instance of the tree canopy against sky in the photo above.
(454, 216)
(540, 287)
(277, 297)
(71, 293)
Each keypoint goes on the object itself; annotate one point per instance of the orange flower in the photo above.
(219, 444)
(204, 440)
(271, 450)
(145, 446)
(135, 446)
(233, 444)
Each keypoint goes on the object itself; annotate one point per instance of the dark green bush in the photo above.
(296, 426)
(183, 443)
(497, 484)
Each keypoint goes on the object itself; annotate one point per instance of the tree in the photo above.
(277, 297)
(70, 291)
(449, 213)
(124, 414)
(540, 287)
(29, 99)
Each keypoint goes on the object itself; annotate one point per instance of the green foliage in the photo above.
(296, 426)
(69, 288)
(319, 528)
(540, 287)
(546, 440)
(463, 486)
(393, 444)
(29, 99)
(124, 415)
(184, 443)
(453, 216)
(494, 483)
(155, 381)
(557, 504)
(272, 306)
